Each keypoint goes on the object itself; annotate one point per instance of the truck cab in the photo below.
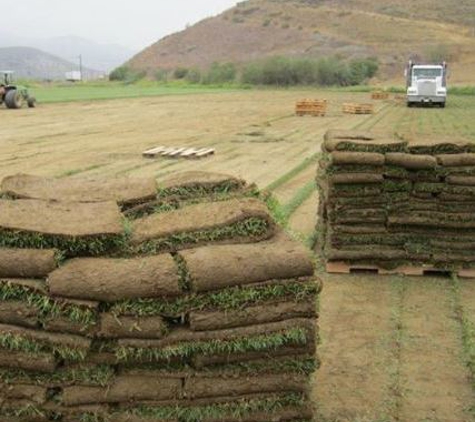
(426, 84)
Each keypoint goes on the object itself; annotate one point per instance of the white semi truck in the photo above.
(426, 84)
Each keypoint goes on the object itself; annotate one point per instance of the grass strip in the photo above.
(69, 246)
(259, 343)
(100, 375)
(21, 344)
(298, 199)
(467, 328)
(292, 173)
(239, 408)
(47, 307)
(250, 228)
(226, 299)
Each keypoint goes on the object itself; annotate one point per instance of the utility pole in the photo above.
(80, 67)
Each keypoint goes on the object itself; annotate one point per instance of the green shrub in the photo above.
(180, 73)
(161, 75)
(126, 74)
(119, 74)
(220, 73)
(284, 71)
(193, 76)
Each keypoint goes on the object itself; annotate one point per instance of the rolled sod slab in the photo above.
(461, 180)
(456, 160)
(201, 361)
(19, 313)
(217, 267)
(110, 280)
(411, 161)
(356, 145)
(196, 183)
(204, 387)
(124, 389)
(26, 263)
(44, 338)
(123, 191)
(236, 220)
(435, 146)
(362, 158)
(202, 320)
(42, 362)
(188, 336)
(32, 393)
(355, 178)
(73, 228)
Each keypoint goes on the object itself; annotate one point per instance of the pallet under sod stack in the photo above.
(125, 302)
(397, 205)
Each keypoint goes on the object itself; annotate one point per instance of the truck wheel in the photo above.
(442, 105)
(410, 104)
(31, 102)
(13, 99)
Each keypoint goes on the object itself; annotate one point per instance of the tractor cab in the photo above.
(7, 77)
(11, 95)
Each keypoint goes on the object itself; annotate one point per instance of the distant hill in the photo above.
(392, 31)
(32, 63)
(104, 57)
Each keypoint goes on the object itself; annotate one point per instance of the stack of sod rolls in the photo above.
(124, 301)
(397, 202)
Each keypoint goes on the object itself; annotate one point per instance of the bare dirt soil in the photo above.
(393, 348)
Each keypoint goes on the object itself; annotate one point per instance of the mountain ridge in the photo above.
(314, 28)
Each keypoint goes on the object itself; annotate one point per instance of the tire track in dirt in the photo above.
(434, 380)
(355, 326)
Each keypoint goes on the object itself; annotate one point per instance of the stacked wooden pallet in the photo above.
(379, 95)
(309, 107)
(178, 152)
(397, 205)
(358, 108)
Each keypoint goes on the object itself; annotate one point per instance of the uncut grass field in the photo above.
(392, 348)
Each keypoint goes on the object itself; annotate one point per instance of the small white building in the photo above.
(73, 76)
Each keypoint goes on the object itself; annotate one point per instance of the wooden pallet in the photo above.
(355, 108)
(178, 152)
(379, 95)
(338, 267)
(311, 108)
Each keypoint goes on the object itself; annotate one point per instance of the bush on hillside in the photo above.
(161, 75)
(193, 76)
(220, 73)
(284, 71)
(180, 73)
(126, 74)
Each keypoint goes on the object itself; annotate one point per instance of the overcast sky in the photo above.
(131, 23)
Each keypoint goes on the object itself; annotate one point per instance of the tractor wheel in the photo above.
(13, 99)
(31, 101)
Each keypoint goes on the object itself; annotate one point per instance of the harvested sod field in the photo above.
(189, 304)
(397, 202)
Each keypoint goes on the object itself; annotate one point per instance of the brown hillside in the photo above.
(315, 28)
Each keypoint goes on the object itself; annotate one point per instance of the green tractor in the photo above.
(14, 96)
